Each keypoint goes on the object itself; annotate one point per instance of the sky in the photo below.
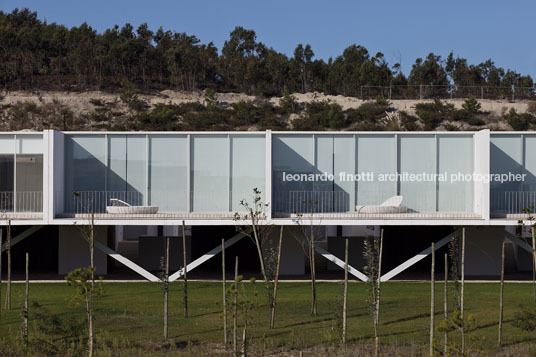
(402, 30)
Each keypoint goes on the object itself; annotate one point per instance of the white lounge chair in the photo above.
(391, 205)
(121, 207)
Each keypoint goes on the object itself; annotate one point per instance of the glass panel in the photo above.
(85, 172)
(247, 168)
(29, 144)
(455, 158)
(417, 155)
(136, 169)
(117, 165)
(6, 182)
(168, 172)
(7, 144)
(506, 157)
(529, 183)
(29, 193)
(292, 155)
(345, 163)
(375, 155)
(210, 173)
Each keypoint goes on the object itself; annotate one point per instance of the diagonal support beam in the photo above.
(206, 257)
(129, 263)
(19, 238)
(340, 263)
(519, 241)
(399, 269)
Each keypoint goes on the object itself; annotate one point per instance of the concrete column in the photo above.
(483, 250)
(292, 255)
(152, 249)
(73, 250)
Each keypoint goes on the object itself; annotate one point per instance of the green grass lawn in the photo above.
(129, 316)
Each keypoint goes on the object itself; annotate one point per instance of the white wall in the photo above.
(73, 250)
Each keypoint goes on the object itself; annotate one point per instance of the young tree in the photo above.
(259, 234)
(185, 279)
(224, 284)
(345, 297)
(272, 316)
(25, 306)
(8, 251)
(309, 236)
(371, 255)
(82, 279)
(164, 263)
(432, 300)
(501, 296)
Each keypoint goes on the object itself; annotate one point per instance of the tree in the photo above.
(259, 234)
(82, 279)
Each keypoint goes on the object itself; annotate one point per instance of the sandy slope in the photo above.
(79, 102)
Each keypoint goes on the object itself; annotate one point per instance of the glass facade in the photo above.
(337, 172)
(177, 173)
(513, 154)
(21, 173)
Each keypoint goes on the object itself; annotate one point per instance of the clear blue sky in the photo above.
(402, 30)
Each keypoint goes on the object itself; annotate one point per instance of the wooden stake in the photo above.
(8, 249)
(345, 296)
(446, 302)
(26, 295)
(235, 307)
(501, 296)
(533, 262)
(432, 300)
(166, 287)
(274, 297)
(185, 278)
(1, 243)
(224, 287)
(462, 291)
(378, 281)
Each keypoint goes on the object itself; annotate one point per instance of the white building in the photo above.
(335, 181)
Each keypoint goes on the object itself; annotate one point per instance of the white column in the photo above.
(481, 190)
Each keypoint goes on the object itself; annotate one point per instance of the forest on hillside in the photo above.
(36, 54)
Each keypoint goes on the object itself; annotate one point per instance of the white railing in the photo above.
(96, 201)
(22, 201)
(512, 202)
(339, 204)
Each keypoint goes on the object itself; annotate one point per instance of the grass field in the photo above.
(129, 318)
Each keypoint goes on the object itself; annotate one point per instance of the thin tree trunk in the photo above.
(533, 262)
(445, 302)
(274, 297)
(8, 249)
(462, 291)
(92, 250)
(244, 341)
(166, 287)
(185, 282)
(235, 307)
(1, 246)
(224, 292)
(501, 296)
(26, 295)
(313, 274)
(258, 244)
(345, 296)
(378, 280)
(90, 327)
(432, 300)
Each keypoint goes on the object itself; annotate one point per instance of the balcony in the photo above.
(426, 204)
(512, 204)
(21, 205)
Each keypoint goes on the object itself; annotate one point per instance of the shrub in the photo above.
(471, 105)
(526, 319)
(517, 121)
(432, 114)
